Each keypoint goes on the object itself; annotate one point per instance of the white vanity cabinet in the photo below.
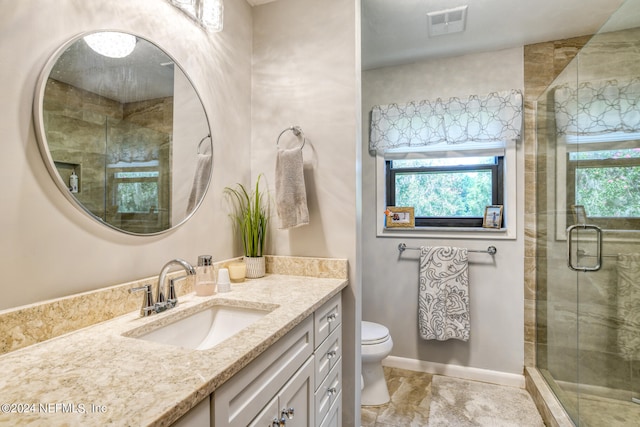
(328, 363)
(242, 398)
(295, 382)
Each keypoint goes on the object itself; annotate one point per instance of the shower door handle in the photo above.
(598, 255)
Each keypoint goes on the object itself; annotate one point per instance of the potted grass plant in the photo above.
(250, 218)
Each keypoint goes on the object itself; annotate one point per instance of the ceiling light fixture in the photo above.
(447, 21)
(208, 13)
(111, 44)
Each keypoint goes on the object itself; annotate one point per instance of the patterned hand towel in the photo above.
(443, 299)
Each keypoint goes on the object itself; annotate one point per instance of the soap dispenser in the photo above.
(205, 277)
(73, 182)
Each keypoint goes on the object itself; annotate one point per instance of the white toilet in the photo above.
(376, 345)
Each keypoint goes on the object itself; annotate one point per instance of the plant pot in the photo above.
(255, 267)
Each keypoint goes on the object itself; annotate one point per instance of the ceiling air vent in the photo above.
(447, 21)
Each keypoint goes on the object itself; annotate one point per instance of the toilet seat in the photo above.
(373, 333)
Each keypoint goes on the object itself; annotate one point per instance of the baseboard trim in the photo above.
(464, 372)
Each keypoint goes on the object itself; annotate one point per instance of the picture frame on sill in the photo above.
(492, 216)
(400, 217)
(579, 214)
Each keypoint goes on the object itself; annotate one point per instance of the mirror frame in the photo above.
(38, 117)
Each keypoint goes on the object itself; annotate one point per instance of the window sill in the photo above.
(450, 233)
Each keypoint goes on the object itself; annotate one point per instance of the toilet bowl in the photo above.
(376, 344)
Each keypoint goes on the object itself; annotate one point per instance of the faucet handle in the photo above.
(172, 298)
(148, 306)
(161, 299)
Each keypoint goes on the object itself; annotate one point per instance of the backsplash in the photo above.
(31, 324)
(304, 266)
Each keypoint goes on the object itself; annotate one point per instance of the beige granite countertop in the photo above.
(96, 376)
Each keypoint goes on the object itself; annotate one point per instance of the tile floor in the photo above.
(411, 398)
(411, 401)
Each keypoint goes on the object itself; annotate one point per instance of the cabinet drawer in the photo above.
(334, 417)
(327, 318)
(328, 354)
(238, 400)
(328, 392)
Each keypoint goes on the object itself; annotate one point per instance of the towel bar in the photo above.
(297, 131)
(200, 143)
(491, 250)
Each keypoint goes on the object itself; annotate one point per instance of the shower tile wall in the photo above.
(542, 63)
(76, 122)
(79, 136)
(557, 335)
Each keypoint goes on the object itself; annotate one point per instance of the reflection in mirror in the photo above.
(589, 129)
(123, 132)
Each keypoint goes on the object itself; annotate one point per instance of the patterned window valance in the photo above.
(598, 108)
(135, 151)
(490, 118)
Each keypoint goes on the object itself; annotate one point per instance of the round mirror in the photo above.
(123, 132)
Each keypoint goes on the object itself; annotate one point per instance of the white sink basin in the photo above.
(204, 329)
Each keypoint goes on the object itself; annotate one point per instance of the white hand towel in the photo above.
(291, 196)
(443, 298)
(200, 181)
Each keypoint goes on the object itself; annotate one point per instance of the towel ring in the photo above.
(297, 131)
(201, 141)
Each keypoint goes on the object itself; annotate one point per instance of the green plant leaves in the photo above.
(251, 217)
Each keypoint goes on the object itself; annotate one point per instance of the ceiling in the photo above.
(147, 73)
(395, 31)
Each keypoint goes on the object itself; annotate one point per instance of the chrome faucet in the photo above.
(162, 303)
(165, 301)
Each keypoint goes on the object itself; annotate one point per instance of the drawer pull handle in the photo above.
(288, 413)
(332, 317)
(331, 354)
(331, 391)
(275, 423)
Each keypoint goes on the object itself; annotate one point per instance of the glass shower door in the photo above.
(603, 251)
(588, 243)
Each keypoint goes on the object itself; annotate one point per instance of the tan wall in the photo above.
(305, 72)
(390, 282)
(51, 249)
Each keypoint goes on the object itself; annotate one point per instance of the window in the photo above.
(605, 182)
(597, 159)
(446, 192)
(135, 192)
(448, 159)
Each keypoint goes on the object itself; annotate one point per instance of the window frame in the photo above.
(115, 180)
(602, 222)
(513, 202)
(497, 191)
